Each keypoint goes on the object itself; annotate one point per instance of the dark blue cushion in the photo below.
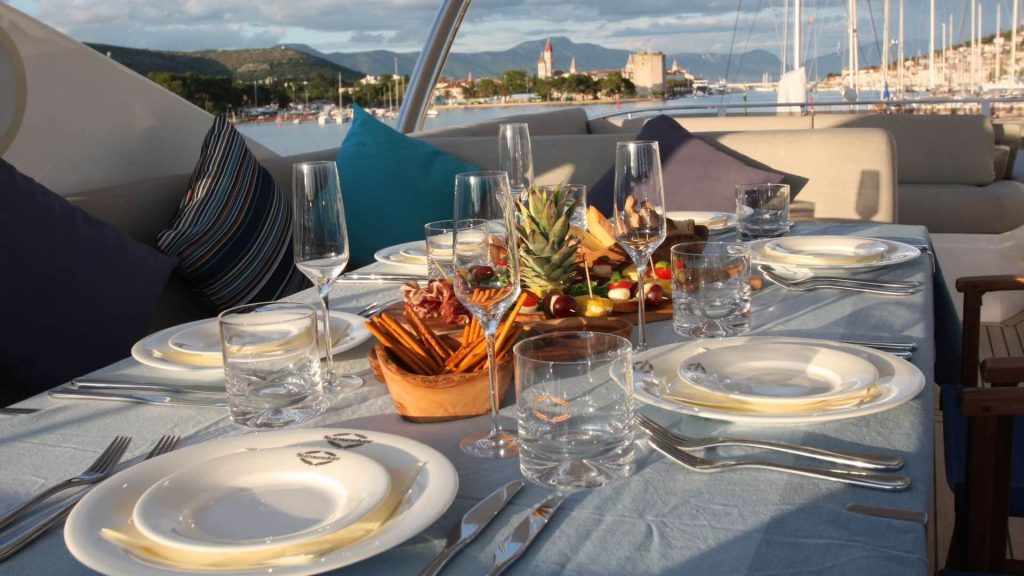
(75, 292)
(697, 176)
(392, 185)
(233, 229)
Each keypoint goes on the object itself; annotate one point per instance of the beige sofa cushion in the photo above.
(572, 120)
(963, 209)
(931, 149)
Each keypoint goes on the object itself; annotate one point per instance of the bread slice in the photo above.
(600, 227)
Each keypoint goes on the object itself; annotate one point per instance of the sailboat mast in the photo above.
(796, 34)
(931, 46)
(785, 38)
(899, 52)
(999, 44)
(974, 41)
(1013, 45)
(885, 44)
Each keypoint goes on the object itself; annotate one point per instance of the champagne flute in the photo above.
(485, 276)
(639, 211)
(515, 156)
(320, 247)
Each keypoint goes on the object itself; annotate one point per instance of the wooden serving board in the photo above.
(439, 326)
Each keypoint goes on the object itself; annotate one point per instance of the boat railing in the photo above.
(930, 105)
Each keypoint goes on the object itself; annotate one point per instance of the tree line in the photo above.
(219, 95)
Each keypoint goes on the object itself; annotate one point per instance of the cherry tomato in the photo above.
(530, 300)
(663, 273)
(620, 284)
(483, 273)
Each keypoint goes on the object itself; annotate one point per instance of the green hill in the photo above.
(243, 65)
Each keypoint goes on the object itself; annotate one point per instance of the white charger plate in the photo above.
(155, 350)
(722, 221)
(405, 255)
(896, 253)
(260, 499)
(111, 503)
(827, 250)
(783, 374)
(898, 382)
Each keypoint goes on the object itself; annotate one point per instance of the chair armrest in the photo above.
(1003, 371)
(983, 284)
(992, 401)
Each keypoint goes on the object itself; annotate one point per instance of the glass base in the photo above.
(502, 444)
(334, 384)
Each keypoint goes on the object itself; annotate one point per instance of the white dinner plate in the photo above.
(717, 222)
(111, 503)
(155, 350)
(410, 255)
(898, 382)
(826, 250)
(260, 499)
(783, 374)
(895, 253)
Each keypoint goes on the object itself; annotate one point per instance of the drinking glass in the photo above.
(574, 402)
(710, 289)
(762, 210)
(515, 156)
(320, 246)
(578, 192)
(271, 364)
(639, 211)
(485, 278)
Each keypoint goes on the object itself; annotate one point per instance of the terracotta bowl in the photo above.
(421, 398)
(609, 324)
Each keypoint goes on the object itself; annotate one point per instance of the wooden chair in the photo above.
(983, 501)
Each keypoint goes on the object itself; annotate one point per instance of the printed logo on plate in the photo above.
(347, 440)
(317, 457)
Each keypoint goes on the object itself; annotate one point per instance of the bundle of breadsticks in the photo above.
(422, 352)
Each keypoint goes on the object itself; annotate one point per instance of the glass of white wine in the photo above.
(320, 247)
(639, 211)
(485, 279)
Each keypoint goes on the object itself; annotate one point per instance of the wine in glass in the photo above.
(485, 277)
(320, 247)
(515, 156)
(639, 211)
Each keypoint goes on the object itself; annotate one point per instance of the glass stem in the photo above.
(641, 269)
(492, 374)
(325, 309)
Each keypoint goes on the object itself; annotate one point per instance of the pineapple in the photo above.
(548, 257)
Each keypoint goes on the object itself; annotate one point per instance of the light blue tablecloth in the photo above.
(663, 520)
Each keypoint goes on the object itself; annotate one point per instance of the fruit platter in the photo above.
(565, 271)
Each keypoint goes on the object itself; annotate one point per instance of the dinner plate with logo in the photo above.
(808, 255)
(409, 255)
(260, 499)
(100, 531)
(717, 222)
(657, 381)
(195, 346)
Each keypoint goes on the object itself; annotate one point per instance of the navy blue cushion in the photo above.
(233, 229)
(697, 176)
(75, 293)
(392, 185)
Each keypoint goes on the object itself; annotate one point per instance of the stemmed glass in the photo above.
(320, 246)
(639, 211)
(485, 276)
(515, 156)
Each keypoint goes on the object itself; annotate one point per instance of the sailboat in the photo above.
(793, 83)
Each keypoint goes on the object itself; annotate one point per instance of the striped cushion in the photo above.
(233, 230)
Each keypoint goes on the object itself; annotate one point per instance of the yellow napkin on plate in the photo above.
(686, 393)
(827, 254)
(130, 539)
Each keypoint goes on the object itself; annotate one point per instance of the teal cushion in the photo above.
(392, 185)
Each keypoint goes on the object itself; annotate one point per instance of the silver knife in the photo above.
(17, 411)
(101, 384)
(523, 534)
(160, 399)
(380, 278)
(472, 523)
(890, 513)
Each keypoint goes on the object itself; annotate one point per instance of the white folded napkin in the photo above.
(686, 393)
(129, 538)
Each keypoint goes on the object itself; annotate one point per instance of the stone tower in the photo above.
(545, 68)
(572, 66)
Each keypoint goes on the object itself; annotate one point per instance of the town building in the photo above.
(545, 64)
(647, 72)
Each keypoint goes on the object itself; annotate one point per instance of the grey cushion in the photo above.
(963, 209)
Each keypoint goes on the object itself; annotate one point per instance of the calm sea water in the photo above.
(287, 139)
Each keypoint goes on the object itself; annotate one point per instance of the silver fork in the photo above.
(11, 547)
(99, 470)
(777, 280)
(841, 279)
(856, 478)
(865, 461)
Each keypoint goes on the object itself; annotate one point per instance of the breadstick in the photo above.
(409, 341)
(410, 361)
(433, 343)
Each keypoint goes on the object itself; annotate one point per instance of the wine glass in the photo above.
(515, 156)
(639, 211)
(320, 246)
(485, 276)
